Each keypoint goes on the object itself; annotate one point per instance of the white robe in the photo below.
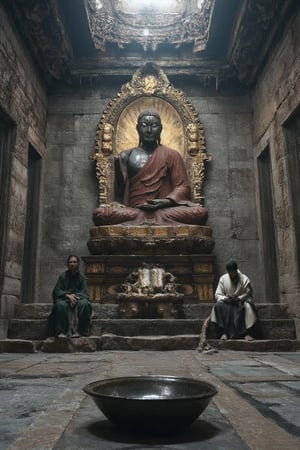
(227, 288)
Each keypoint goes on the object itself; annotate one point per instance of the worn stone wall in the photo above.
(70, 192)
(230, 184)
(24, 101)
(275, 98)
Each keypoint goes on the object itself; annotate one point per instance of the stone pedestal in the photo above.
(118, 250)
(150, 240)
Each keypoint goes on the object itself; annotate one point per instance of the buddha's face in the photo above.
(149, 129)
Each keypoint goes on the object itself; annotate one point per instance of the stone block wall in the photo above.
(70, 189)
(230, 182)
(23, 100)
(276, 97)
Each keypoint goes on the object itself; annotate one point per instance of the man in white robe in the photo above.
(234, 314)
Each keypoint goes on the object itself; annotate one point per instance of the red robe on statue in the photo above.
(163, 176)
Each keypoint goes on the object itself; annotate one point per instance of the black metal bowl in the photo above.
(162, 403)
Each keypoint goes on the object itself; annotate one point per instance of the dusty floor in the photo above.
(42, 405)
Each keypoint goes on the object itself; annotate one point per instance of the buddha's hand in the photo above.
(156, 203)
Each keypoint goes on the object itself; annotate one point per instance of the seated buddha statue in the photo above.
(151, 183)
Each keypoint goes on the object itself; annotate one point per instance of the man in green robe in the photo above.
(71, 313)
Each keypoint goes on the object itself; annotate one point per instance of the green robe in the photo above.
(58, 321)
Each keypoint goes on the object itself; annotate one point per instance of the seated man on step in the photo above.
(234, 313)
(151, 183)
(71, 313)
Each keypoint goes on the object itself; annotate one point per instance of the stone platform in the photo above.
(28, 333)
(150, 240)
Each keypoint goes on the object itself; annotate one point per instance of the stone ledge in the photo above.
(110, 310)
(70, 345)
(36, 329)
(136, 343)
(18, 346)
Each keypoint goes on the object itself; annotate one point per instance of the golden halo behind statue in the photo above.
(172, 134)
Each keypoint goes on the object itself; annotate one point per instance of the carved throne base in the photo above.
(150, 240)
(183, 250)
(106, 273)
(150, 293)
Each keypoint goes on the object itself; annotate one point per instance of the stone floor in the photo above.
(43, 406)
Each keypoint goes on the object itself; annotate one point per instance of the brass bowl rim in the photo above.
(211, 389)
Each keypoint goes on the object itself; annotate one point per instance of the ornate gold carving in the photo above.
(103, 146)
(192, 131)
(95, 292)
(202, 268)
(146, 232)
(194, 274)
(205, 292)
(150, 292)
(107, 134)
(94, 268)
(197, 175)
(103, 173)
(149, 88)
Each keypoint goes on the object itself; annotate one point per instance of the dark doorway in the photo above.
(292, 132)
(31, 226)
(6, 139)
(269, 248)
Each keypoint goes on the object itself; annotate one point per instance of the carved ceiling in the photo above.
(220, 40)
(41, 27)
(150, 23)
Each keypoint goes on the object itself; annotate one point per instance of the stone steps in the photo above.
(135, 343)
(108, 332)
(36, 329)
(110, 310)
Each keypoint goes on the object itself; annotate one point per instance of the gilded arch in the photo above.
(182, 129)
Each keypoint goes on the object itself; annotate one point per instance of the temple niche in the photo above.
(120, 249)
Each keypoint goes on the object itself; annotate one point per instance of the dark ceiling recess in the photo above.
(75, 18)
(221, 27)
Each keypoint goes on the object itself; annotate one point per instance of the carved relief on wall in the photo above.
(182, 130)
(253, 38)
